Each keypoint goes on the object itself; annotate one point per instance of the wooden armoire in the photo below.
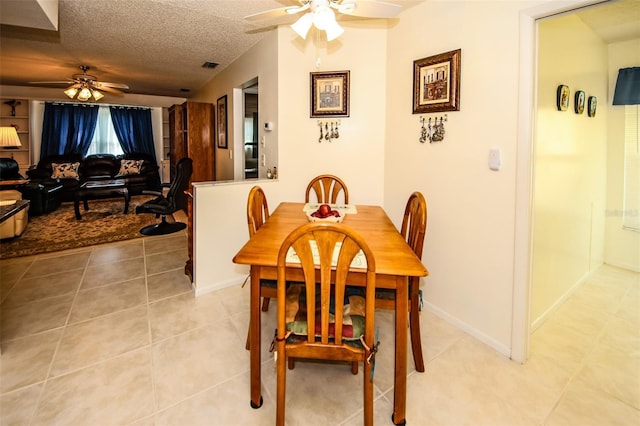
(191, 131)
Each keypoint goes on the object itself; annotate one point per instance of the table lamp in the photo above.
(9, 138)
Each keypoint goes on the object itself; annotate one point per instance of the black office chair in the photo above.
(175, 200)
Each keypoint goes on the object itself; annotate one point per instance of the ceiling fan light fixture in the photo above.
(71, 92)
(303, 25)
(333, 30)
(323, 17)
(97, 95)
(84, 94)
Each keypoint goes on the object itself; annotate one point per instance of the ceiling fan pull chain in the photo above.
(317, 49)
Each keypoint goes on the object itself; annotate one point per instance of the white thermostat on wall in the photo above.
(268, 126)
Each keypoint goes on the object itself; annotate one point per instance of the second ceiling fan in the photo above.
(84, 86)
(321, 14)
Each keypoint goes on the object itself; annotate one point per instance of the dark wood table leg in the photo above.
(254, 338)
(127, 198)
(400, 381)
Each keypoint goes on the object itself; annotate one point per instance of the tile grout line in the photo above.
(55, 351)
(154, 387)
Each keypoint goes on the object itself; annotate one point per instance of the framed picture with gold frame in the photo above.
(330, 94)
(436, 83)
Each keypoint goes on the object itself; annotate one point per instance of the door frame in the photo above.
(525, 169)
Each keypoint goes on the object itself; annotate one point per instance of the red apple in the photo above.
(324, 210)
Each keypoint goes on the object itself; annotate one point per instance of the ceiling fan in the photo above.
(321, 14)
(84, 86)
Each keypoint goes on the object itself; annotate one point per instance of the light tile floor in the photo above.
(111, 335)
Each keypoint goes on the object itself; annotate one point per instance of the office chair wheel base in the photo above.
(254, 406)
(402, 423)
(163, 228)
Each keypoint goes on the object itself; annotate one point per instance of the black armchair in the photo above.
(9, 169)
(175, 200)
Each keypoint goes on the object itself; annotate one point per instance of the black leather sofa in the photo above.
(97, 167)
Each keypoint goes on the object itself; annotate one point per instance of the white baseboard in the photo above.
(504, 350)
(634, 268)
(542, 318)
(204, 289)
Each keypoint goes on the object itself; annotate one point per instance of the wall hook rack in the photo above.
(329, 130)
(432, 129)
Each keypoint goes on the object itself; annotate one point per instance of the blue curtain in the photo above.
(627, 87)
(134, 129)
(67, 128)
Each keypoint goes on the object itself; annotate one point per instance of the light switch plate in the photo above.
(495, 159)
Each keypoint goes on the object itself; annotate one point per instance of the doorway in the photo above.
(526, 161)
(250, 130)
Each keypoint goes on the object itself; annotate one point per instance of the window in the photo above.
(631, 209)
(104, 139)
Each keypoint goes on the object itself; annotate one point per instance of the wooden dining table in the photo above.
(395, 262)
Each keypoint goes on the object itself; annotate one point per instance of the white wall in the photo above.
(261, 62)
(469, 247)
(570, 163)
(470, 232)
(622, 245)
(357, 156)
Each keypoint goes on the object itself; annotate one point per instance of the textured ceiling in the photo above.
(614, 21)
(158, 47)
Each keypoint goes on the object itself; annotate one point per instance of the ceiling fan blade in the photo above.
(53, 82)
(275, 13)
(267, 14)
(108, 89)
(103, 84)
(368, 8)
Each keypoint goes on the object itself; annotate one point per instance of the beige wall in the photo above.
(622, 245)
(469, 245)
(261, 62)
(357, 156)
(570, 163)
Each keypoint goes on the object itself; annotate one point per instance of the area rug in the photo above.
(105, 222)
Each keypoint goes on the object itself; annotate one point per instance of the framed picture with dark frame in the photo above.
(562, 97)
(221, 122)
(330, 94)
(436, 83)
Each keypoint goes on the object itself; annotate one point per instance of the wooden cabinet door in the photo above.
(200, 145)
(177, 140)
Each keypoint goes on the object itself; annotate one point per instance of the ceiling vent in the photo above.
(209, 64)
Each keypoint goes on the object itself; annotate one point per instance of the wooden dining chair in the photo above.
(327, 189)
(414, 225)
(257, 215)
(341, 319)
